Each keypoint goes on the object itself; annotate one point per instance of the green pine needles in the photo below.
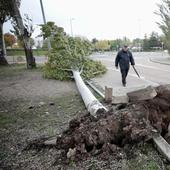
(71, 53)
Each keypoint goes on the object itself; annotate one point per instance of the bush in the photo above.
(71, 53)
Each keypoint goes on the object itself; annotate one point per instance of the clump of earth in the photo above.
(111, 132)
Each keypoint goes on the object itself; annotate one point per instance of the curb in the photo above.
(154, 61)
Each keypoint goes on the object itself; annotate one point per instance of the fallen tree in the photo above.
(70, 52)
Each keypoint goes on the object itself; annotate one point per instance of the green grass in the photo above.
(168, 167)
(152, 166)
(147, 158)
(142, 164)
(20, 52)
(12, 70)
(39, 52)
(6, 119)
(16, 69)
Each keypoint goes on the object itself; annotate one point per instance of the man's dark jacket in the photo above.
(123, 58)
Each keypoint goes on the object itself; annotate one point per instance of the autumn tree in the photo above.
(102, 45)
(10, 39)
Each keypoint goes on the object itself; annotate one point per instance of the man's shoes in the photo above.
(124, 84)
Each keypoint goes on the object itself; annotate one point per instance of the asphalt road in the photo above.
(151, 73)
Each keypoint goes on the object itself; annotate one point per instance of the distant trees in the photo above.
(94, 41)
(107, 45)
(153, 42)
(164, 13)
(48, 29)
(114, 45)
(102, 45)
(47, 32)
(145, 43)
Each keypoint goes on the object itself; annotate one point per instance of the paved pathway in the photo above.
(151, 73)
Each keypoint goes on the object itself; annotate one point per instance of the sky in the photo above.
(101, 19)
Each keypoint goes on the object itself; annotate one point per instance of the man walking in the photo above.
(123, 58)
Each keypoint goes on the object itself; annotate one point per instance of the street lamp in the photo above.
(139, 44)
(71, 26)
(162, 46)
(44, 19)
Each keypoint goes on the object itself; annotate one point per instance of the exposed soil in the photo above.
(113, 132)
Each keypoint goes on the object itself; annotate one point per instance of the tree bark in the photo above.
(90, 101)
(28, 53)
(3, 60)
(27, 47)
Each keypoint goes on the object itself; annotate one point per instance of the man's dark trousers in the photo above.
(124, 73)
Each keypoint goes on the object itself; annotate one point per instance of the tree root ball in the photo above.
(110, 131)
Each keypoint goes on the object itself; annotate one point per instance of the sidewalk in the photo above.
(161, 60)
(113, 79)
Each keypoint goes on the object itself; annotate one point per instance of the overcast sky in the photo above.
(101, 19)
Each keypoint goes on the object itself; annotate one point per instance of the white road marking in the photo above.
(152, 67)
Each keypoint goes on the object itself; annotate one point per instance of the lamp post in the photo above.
(162, 46)
(44, 19)
(139, 44)
(71, 26)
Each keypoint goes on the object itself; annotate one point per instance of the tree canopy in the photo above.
(48, 29)
(5, 10)
(164, 13)
(102, 45)
(70, 53)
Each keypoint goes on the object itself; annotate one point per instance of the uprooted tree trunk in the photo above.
(25, 36)
(3, 60)
(91, 103)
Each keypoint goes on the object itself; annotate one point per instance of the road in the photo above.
(151, 73)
